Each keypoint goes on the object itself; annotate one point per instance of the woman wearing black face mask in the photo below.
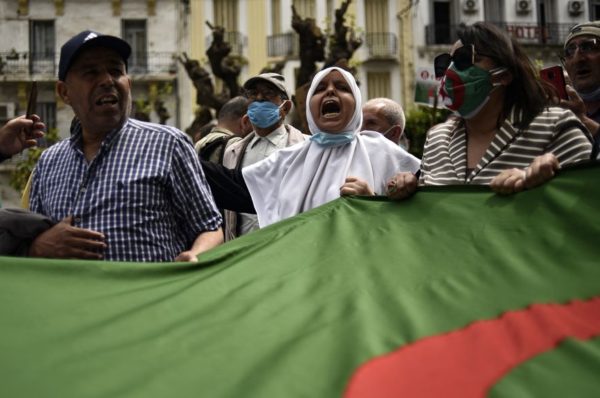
(504, 134)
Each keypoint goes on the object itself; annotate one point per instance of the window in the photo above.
(225, 14)
(376, 16)
(41, 46)
(7, 112)
(378, 85)
(134, 33)
(305, 8)
(493, 10)
(47, 112)
(594, 10)
(380, 41)
(331, 13)
(547, 21)
(276, 17)
(441, 29)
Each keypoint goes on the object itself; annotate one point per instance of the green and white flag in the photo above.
(455, 292)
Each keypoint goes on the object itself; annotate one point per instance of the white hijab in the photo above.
(301, 177)
(354, 125)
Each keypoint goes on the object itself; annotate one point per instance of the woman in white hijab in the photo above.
(337, 160)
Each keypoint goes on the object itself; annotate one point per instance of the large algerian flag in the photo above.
(454, 292)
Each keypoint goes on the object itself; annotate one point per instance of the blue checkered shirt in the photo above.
(145, 190)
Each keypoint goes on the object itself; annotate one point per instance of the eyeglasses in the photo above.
(584, 46)
(266, 93)
(463, 57)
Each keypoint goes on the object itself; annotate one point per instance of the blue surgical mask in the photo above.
(331, 140)
(263, 114)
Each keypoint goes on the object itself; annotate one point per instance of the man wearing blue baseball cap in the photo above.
(121, 189)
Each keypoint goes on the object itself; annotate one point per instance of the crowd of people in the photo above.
(124, 190)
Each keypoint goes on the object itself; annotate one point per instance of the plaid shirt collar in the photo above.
(77, 135)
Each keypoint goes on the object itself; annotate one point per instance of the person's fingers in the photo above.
(498, 181)
(542, 169)
(85, 244)
(87, 234)
(519, 185)
(352, 189)
(507, 186)
(553, 160)
(81, 233)
(29, 143)
(401, 186)
(82, 254)
(508, 181)
(356, 186)
(347, 191)
(497, 185)
(186, 257)
(539, 176)
(410, 182)
(392, 186)
(571, 92)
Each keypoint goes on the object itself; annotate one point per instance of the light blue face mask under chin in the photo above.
(332, 140)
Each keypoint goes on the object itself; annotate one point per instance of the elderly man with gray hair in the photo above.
(581, 58)
(386, 117)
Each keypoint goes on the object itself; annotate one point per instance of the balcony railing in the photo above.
(283, 45)
(382, 44)
(22, 65)
(154, 63)
(526, 33)
(236, 40)
(25, 63)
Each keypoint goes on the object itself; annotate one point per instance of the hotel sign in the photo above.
(528, 32)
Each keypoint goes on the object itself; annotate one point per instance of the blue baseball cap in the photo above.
(87, 39)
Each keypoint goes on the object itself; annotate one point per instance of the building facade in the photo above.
(400, 39)
(261, 32)
(541, 26)
(32, 32)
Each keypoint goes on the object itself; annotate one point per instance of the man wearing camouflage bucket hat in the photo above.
(268, 105)
(581, 58)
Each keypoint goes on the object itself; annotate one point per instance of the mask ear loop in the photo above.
(281, 108)
(387, 132)
(497, 72)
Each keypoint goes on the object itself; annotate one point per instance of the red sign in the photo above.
(527, 32)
